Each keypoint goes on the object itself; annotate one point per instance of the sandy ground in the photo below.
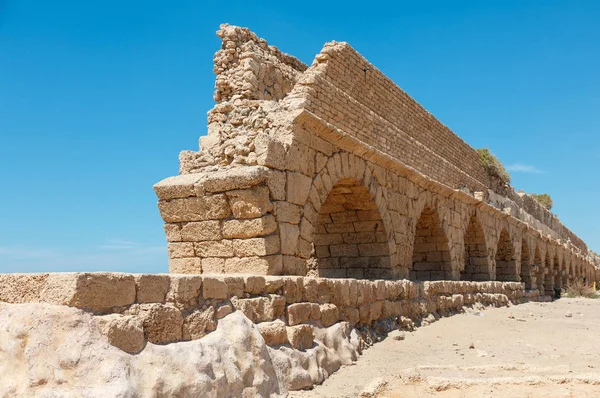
(529, 350)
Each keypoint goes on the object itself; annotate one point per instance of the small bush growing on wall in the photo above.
(544, 199)
(492, 166)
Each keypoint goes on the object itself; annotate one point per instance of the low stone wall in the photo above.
(162, 309)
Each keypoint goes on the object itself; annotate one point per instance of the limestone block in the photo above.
(300, 337)
(274, 332)
(287, 212)
(210, 248)
(273, 284)
(351, 315)
(201, 231)
(199, 323)
(162, 323)
(292, 289)
(235, 285)
(152, 288)
(124, 332)
(310, 290)
(96, 292)
(250, 203)
(173, 232)
(276, 184)
(213, 207)
(315, 312)
(329, 314)
(249, 228)
(214, 288)
(260, 309)
(223, 310)
(270, 153)
(341, 292)
(268, 265)
(181, 186)
(298, 187)
(191, 265)
(289, 234)
(232, 179)
(254, 284)
(298, 313)
(213, 265)
(180, 249)
(256, 246)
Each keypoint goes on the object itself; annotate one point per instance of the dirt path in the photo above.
(529, 350)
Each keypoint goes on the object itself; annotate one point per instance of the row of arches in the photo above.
(352, 239)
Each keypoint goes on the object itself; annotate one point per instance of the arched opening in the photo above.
(431, 251)
(476, 253)
(548, 277)
(350, 240)
(557, 274)
(506, 266)
(539, 274)
(567, 271)
(526, 266)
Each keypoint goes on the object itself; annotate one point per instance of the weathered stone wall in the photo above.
(164, 309)
(344, 175)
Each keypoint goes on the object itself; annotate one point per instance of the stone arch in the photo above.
(476, 260)
(526, 265)
(431, 252)
(506, 265)
(353, 233)
(350, 239)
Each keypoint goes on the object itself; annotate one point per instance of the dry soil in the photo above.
(529, 350)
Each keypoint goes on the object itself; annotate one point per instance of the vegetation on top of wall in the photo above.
(544, 199)
(493, 166)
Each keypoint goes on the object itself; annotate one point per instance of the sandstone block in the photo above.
(267, 265)
(292, 289)
(276, 184)
(256, 246)
(315, 312)
(180, 249)
(298, 187)
(235, 285)
(289, 234)
(250, 203)
(181, 186)
(223, 248)
(162, 323)
(352, 315)
(329, 314)
(249, 228)
(254, 284)
(287, 212)
(232, 179)
(152, 288)
(213, 265)
(199, 323)
(124, 332)
(301, 337)
(213, 207)
(96, 292)
(191, 265)
(274, 333)
(298, 313)
(213, 287)
(173, 232)
(201, 231)
(223, 310)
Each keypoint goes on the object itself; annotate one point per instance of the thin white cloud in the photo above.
(523, 168)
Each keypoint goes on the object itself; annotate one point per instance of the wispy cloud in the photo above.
(523, 168)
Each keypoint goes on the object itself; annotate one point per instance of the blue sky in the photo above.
(97, 98)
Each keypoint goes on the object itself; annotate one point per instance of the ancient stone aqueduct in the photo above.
(322, 197)
(332, 170)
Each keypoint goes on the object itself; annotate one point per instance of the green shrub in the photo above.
(492, 166)
(544, 199)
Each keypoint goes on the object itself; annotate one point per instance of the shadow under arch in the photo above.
(476, 266)
(431, 250)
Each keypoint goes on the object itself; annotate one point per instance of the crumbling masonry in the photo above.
(332, 170)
